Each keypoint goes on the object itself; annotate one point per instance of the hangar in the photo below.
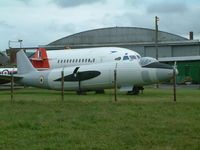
(141, 40)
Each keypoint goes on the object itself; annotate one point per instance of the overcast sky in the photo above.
(39, 22)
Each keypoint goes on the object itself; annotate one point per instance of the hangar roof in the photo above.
(117, 35)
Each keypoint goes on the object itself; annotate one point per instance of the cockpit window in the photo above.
(138, 57)
(147, 60)
(118, 58)
(125, 58)
(132, 57)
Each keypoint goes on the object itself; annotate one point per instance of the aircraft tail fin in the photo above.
(23, 64)
(40, 60)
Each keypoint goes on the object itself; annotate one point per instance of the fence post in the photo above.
(12, 86)
(62, 84)
(115, 84)
(174, 83)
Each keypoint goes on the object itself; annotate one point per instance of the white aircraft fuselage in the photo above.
(44, 60)
(77, 57)
(95, 75)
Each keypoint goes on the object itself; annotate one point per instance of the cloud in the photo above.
(4, 24)
(25, 1)
(62, 28)
(50, 22)
(134, 2)
(167, 7)
(74, 3)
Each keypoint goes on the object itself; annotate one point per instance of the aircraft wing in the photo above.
(9, 77)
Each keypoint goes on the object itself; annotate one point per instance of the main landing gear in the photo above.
(136, 90)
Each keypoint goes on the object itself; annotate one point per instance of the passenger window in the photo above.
(67, 60)
(76, 60)
(61, 61)
(82, 60)
(79, 60)
(58, 60)
(93, 60)
(85, 60)
(64, 60)
(70, 61)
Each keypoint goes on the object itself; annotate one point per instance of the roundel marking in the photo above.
(41, 80)
(5, 71)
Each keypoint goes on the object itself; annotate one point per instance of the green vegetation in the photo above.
(38, 119)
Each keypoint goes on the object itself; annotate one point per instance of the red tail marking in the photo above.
(40, 59)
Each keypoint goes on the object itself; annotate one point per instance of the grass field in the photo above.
(38, 119)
